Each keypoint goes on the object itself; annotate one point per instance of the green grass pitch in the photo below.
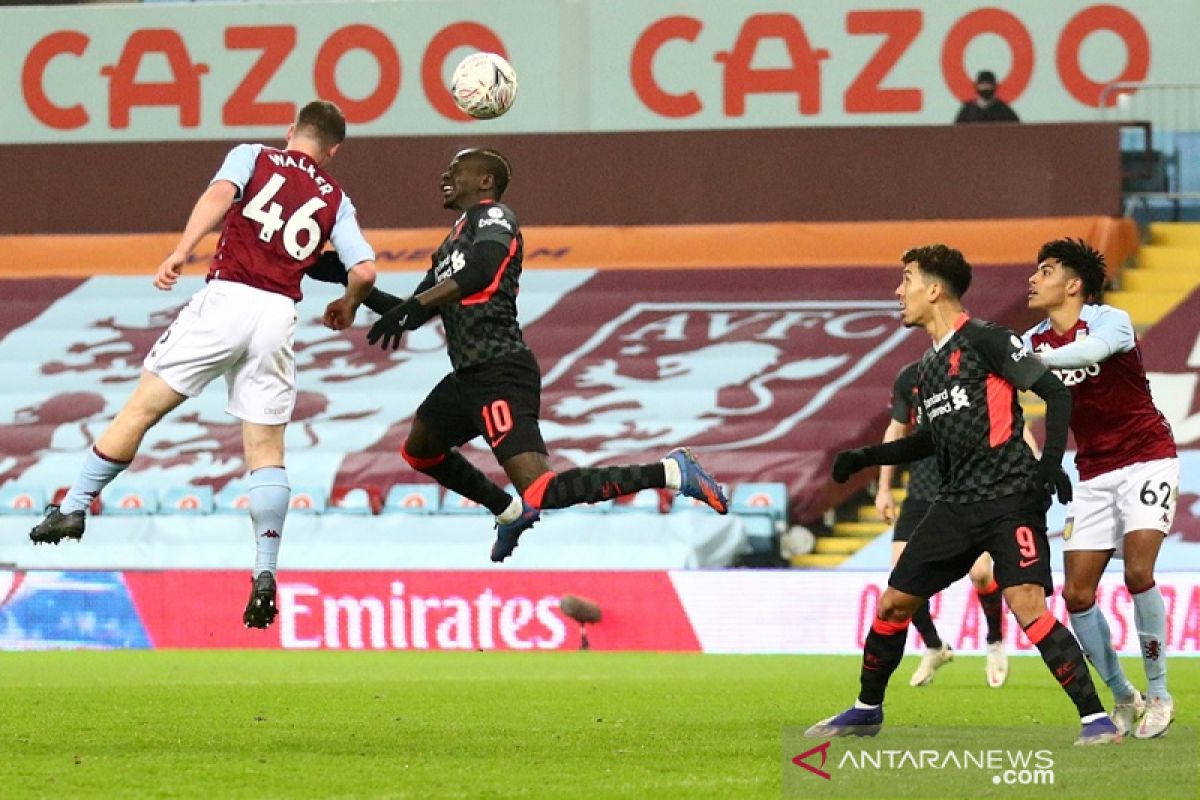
(263, 724)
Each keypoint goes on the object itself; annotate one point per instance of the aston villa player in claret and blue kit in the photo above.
(1128, 472)
(993, 494)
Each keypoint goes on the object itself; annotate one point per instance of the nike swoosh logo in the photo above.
(494, 443)
(1028, 563)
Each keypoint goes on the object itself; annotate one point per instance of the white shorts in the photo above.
(242, 333)
(1133, 498)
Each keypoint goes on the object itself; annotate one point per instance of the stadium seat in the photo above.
(413, 498)
(659, 500)
(455, 503)
(21, 500)
(763, 509)
(352, 499)
(130, 500)
(307, 500)
(187, 500)
(60, 494)
(234, 498)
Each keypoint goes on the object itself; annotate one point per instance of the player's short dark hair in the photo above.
(943, 263)
(1083, 260)
(323, 121)
(495, 164)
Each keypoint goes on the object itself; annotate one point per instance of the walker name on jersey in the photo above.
(304, 165)
(1071, 377)
(945, 402)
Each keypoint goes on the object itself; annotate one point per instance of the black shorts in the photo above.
(912, 511)
(952, 535)
(498, 400)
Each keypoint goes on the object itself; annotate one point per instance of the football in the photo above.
(484, 85)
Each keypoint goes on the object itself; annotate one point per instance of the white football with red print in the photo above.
(484, 85)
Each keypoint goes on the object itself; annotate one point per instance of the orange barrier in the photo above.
(768, 244)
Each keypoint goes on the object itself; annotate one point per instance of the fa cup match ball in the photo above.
(484, 85)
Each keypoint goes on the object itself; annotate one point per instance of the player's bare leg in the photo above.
(1083, 571)
(1150, 618)
(937, 653)
(151, 400)
(882, 653)
(991, 601)
(269, 496)
(1065, 660)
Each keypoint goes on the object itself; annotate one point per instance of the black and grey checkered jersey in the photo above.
(483, 326)
(923, 478)
(968, 386)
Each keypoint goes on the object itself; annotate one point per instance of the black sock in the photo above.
(924, 625)
(1062, 655)
(991, 601)
(459, 475)
(592, 484)
(881, 655)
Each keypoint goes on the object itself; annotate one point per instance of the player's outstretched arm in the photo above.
(1058, 418)
(1109, 332)
(339, 314)
(206, 215)
(901, 451)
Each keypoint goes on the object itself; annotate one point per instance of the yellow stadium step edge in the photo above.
(1157, 280)
(841, 545)
(1177, 234)
(1167, 257)
(818, 560)
(859, 529)
(868, 514)
(1145, 308)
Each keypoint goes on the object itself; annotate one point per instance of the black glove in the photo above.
(328, 268)
(1051, 474)
(389, 329)
(848, 462)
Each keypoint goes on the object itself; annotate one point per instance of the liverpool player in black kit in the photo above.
(993, 495)
(495, 388)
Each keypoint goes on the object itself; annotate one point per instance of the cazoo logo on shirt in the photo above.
(1072, 377)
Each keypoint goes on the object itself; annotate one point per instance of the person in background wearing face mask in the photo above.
(986, 106)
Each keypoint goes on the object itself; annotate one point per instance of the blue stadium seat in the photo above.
(234, 498)
(307, 500)
(413, 498)
(763, 508)
(130, 500)
(455, 503)
(186, 500)
(22, 499)
(351, 499)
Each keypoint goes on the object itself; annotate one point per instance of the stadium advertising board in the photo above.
(733, 611)
(238, 71)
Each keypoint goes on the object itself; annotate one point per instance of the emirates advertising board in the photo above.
(725, 611)
(223, 71)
